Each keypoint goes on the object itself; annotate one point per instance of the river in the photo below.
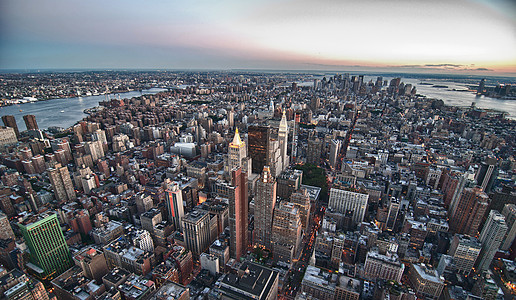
(63, 112)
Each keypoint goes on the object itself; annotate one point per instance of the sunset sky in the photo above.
(464, 36)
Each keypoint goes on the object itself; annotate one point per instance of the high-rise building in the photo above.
(238, 210)
(491, 238)
(237, 154)
(427, 283)
(49, 254)
(258, 138)
(61, 183)
(286, 232)
(487, 173)
(143, 240)
(301, 200)
(264, 203)
(283, 140)
(196, 231)
(464, 250)
(6, 232)
(509, 212)
(30, 122)
(346, 201)
(469, 210)
(10, 121)
(289, 181)
(334, 152)
(313, 152)
(383, 266)
(174, 203)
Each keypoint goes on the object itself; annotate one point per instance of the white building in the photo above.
(343, 201)
(210, 262)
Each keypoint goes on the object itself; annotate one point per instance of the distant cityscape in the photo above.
(256, 185)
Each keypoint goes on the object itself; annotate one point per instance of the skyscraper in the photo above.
(283, 140)
(196, 229)
(334, 152)
(286, 232)
(264, 203)
(487, 174)
(313, 153)
(509, 212)
(238, 210)
(30, 122)
(10, 121)
(491, 238)
(61, 183)
(237, 154)
(469, 210)
(174, 204)
(49, 254)
(258, 138)
(464, 250)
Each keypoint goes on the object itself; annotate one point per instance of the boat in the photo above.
(21, 110)
(62, 111)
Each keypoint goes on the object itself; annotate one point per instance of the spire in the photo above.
(283, 123)
(236, 139)
(266, 174)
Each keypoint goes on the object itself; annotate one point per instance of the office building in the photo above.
(174, 203)
(211, 263)
(314, 151)
(283, 140)
(491, 238)
(427, 283)
(30, 122)
(509, 212)
(237, 154)
(487, 173)
(220, 249)
(464, 250)
(10, 121)
(264, 203)
(143, 240)
(92, 262)
(258, 139)
(49, 254)
(238, 210)
(196, 231)
(286, 232)
(7, 136)
(301, 200)
(334, 153)
(383, 266)
(61, 183)
(289, 181)
(347, 201)
(469, 211)
(252, 281)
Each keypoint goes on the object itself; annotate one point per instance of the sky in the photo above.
(451, 36)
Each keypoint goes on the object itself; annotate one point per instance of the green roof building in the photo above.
(49, 253)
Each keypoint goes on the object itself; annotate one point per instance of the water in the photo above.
(63, 112)
(461, 97)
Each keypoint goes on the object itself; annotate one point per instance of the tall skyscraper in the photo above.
(301, 200)
(61, 183)
(509, 212)
(334, 152)
(283, 140)
(196, 229)
(238, 210)
(313, 153)
(258, 138)
(464, 250)
(491, 238)
(30, 122)
(286, 232)
(49, 254)
(469, 210)
(10, 121)
(237, 154)
(264, 203)
(487, 174)
(174, 203)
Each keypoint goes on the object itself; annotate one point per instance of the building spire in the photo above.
(283, 123)
(236, 139)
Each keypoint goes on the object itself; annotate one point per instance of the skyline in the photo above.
(461, 36)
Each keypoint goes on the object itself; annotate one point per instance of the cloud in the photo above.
(445, 66)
